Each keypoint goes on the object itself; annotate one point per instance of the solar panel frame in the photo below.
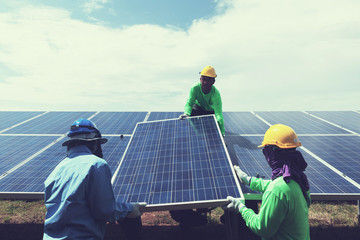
(159, 199)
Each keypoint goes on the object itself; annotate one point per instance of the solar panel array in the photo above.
(30, 144)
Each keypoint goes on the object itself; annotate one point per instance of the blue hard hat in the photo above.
(82, 125)
(84, 130)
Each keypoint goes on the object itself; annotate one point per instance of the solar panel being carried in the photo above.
(176, 164)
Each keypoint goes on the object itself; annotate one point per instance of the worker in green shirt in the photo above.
(204, 98)
(286, 198)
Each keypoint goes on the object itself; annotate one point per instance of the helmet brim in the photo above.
(101, 140)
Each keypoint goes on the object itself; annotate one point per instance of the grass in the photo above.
(331, 214)
(328, 220)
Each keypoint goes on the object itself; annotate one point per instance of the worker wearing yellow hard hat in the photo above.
(285, 204)
(204, 98)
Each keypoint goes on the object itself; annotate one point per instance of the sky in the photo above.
(117, 55)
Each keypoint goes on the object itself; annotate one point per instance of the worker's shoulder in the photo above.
(281, 188)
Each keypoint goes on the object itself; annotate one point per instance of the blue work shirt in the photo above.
(79, 198)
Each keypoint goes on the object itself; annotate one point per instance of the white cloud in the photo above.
(91, 5)
(269, 55)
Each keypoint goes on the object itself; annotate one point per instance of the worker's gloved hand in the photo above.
(235, 204)
(183, 116)
(137, 210)
(244, 178)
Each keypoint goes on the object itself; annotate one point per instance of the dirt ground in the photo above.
(209, 232)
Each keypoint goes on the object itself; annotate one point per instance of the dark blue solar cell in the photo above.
(244, 152)
(50, 123)
(11, 118)
(118, 122)
(178, 171)
(300, 122)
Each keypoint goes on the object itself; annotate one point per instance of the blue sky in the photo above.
(112, 55)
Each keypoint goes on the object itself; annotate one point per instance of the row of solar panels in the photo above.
(318, 122)
(30, 144)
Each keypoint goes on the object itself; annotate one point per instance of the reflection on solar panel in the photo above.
(10, 118)
(243, 123)
(346, 119)
(300, 122)
(50, 123)
(244, 151)
(118, 122)
(163, 115)
(176, 164)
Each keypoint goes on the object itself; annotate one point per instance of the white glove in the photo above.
(183, 116)
(235, 204)
(244, 178)
(137, 210)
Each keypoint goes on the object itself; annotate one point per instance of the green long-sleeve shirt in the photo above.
(209, 102)
(284, 211)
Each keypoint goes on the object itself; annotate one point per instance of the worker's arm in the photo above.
(217, 106)
(100, 195)
(190, 102)
(270, 217)
(259, 184)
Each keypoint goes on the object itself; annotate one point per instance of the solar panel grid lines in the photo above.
(30, 158)
(163, 115)
(51, 122)
(118, 122)
(300, 122)
(30, 177)
(15, 149)
(347, 120)
(173, 171)
(341, 174)
(243, 123)
(339, 153)
(8, 119)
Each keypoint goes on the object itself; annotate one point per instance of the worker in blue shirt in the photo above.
(79, 197)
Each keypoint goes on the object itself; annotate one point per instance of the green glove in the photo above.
(235, 204)
(244, 178)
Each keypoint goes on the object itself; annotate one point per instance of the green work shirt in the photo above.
(284, 213)
(209, 102)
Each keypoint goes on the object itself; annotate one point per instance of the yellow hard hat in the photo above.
(282, 136)
(208, 71)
